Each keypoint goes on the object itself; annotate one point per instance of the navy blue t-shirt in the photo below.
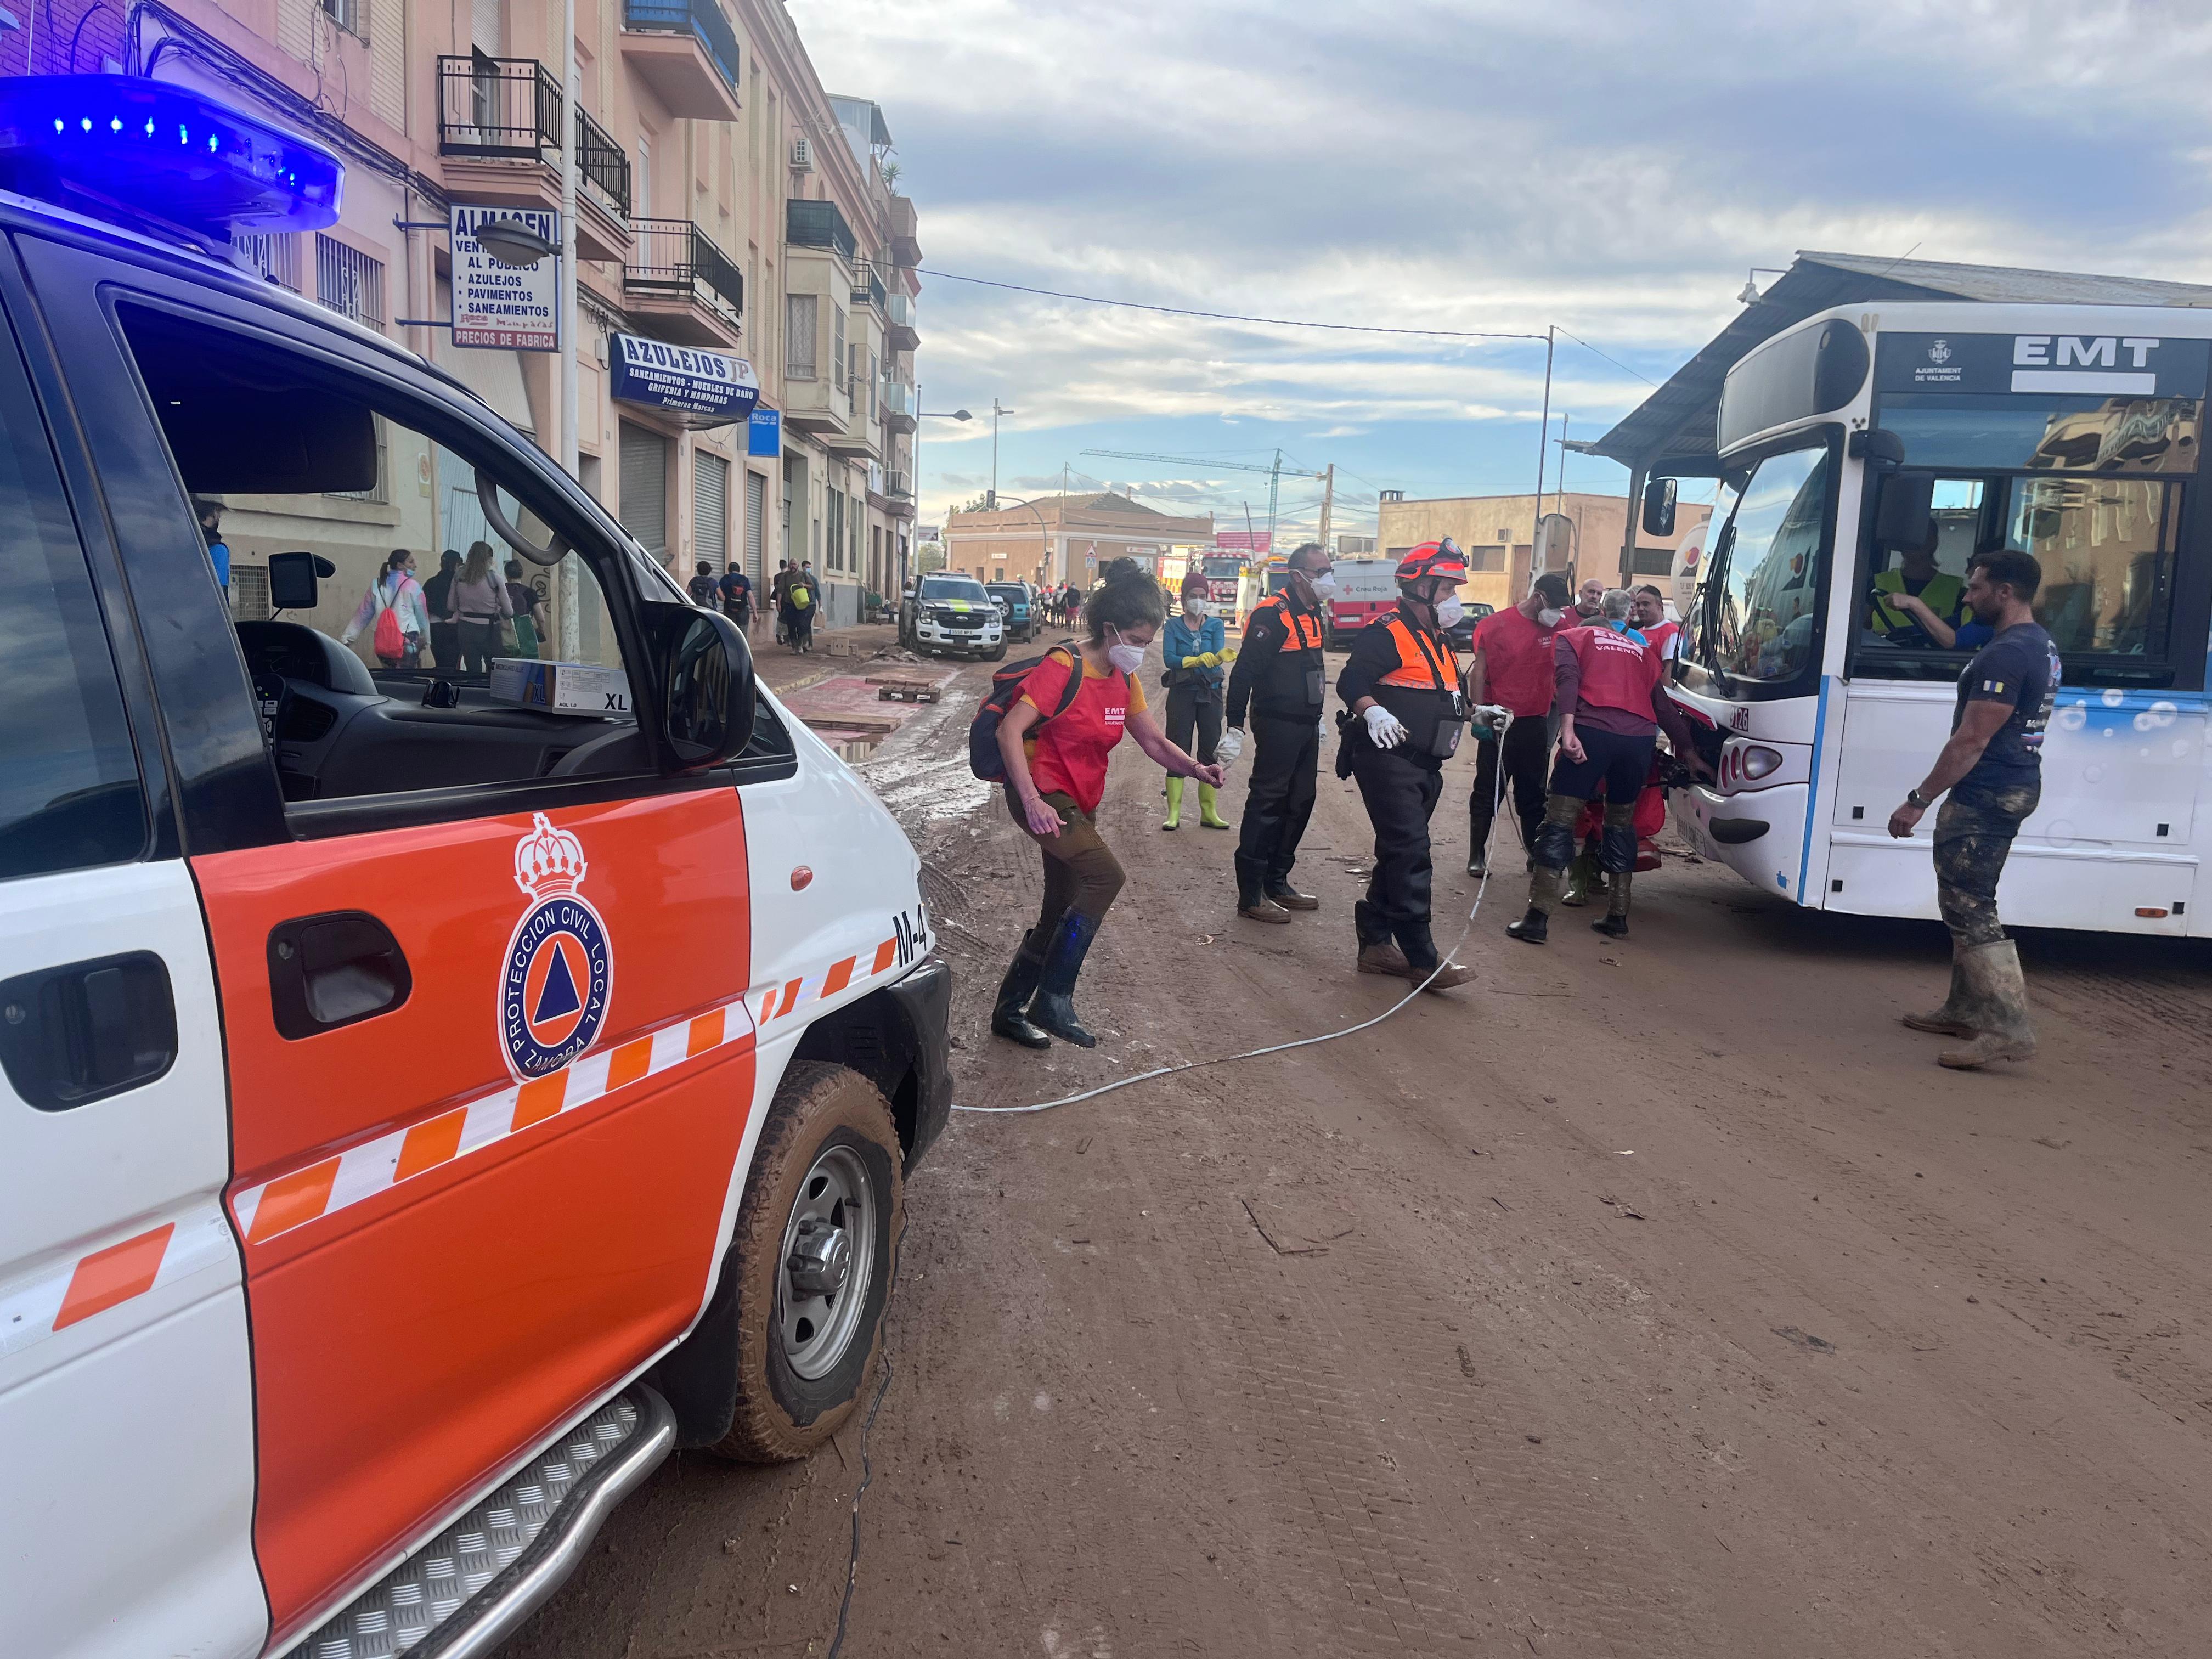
(2019, 666)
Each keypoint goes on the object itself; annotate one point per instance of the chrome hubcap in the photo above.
(828, 1261)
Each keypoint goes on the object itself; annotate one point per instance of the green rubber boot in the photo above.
(1175, 804)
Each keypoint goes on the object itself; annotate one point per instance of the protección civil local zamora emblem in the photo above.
(558, 971)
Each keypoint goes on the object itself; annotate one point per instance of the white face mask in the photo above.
(1449, 610)
(1126, 658)
(1324, 584)
(1548, 617)
(1198, 608)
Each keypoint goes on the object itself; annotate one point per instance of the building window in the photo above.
(799, 318)
(1485, 558)
(837, 365)
(275, 254)
(352, 15)
(348, 282)
(833, 558)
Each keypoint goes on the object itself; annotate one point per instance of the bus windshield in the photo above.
(1766, 591)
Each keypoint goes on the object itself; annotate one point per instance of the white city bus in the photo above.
(1862, 441)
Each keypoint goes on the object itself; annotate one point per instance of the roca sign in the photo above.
(700, 388)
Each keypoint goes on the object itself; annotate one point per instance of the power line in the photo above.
(1616, 361)
(1235, 317)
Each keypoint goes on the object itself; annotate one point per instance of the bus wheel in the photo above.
(815, 1252)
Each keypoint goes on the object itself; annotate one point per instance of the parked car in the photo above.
(1462, 632)
(1018, 604)
(430, 1096)
(955, 614)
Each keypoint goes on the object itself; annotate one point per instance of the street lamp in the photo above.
(995, 412)
(927, 415)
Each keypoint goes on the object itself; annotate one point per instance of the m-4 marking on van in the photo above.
(77, 1288)
(270, 1208)
(911, 933)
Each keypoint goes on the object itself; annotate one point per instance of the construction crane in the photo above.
(1276, 474)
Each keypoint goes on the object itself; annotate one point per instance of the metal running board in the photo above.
(466, 1590)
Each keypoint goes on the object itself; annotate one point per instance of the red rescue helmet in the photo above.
(1441, 559)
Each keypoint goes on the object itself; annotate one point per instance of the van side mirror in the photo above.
(707, 687)
(1659, 507)
(293, 579)
(1905, 517)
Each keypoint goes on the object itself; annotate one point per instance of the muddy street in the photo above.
(1657, 1296)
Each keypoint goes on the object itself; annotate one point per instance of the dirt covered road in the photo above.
(1657, 1297)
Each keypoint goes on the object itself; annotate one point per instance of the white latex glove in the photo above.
(1230, 749)
(1492, 715)
(1384, 729)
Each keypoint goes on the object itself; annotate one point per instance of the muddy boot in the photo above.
(1175, 804)
(1378, 952)
(1290, 898)
(1007, 1019)
(1478, 843)
(1581, 879)
(1615, 924)
(1209, 809)
(1535, 927)
(1995, 1006)
(1950, 1019)
(1054, 1007)
(1253, 904)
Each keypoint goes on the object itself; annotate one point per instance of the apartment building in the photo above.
(1494, 532)
(725, 202)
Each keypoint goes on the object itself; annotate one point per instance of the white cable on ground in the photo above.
(1482, 886)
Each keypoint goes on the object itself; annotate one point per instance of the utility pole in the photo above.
(1274, 489)
(995, 412)
(572, 570)
(1543, 439)
(1327, 501)
(1559, 484)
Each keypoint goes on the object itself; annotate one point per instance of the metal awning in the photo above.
(1671, 432)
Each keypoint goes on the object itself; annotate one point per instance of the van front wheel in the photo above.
(815, 1251)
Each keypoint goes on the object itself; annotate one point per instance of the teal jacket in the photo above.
(1179, 639)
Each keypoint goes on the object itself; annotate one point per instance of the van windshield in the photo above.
(954, 587)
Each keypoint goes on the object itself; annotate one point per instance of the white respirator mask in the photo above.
(1126, 658)
(1198, 608)
(1549, 618)
(1324, 584)
(1449, 611)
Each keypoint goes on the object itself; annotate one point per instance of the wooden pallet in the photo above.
(906, 692)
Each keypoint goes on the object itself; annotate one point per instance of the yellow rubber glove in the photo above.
(1210, 659)
(1227, 655)
(1192, 662)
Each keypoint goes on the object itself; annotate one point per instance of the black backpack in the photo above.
(984, 759)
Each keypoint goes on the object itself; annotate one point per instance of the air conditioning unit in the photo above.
(802, 156)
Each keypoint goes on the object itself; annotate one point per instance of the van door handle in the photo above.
(74, 1035)
(333, 969)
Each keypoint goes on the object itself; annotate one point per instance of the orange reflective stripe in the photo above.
(839, 977)
(630, 1062)
(539, 1099)
(293, 1199)
(706, 1033)
(428, 1144)
(114, 1274)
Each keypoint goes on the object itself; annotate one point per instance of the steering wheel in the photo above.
(273, 693)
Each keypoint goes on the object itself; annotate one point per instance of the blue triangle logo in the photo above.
(559, 997)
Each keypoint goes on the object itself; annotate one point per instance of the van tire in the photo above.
(821, 1112)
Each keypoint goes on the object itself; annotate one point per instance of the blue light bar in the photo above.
(165, 151)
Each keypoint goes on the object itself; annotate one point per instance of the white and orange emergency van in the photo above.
(427, 1101)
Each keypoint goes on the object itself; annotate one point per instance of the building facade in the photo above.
(1060, 538)
(725, 200)
(1495, 532)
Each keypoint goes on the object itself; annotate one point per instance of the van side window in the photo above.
(70, 791)
(435, 655)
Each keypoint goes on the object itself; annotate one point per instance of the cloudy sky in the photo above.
(1613, 168)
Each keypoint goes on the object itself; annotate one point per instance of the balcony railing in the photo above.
(818, 224)
(870, 291)
(901, 314)
(674, 256)
(700, 18)
(899, 398)
(497, 106)
(899, 486)
(601, 163)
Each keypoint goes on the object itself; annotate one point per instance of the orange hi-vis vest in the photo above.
(1301, 629)
(1425, 661)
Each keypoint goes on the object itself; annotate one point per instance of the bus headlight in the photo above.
(1756, 761)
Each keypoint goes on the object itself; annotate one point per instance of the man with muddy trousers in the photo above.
(1512, 669)
(1993, 767)
(1404, 711)
(1609, 687)
(1281, 679)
